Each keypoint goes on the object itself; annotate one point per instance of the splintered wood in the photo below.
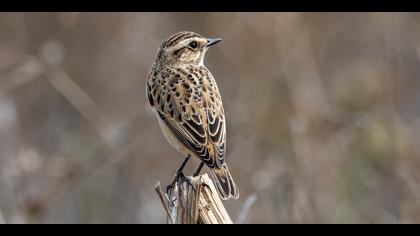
(195, 203)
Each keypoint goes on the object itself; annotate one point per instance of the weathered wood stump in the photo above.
(195, 203)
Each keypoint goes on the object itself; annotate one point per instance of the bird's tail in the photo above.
(224, 182)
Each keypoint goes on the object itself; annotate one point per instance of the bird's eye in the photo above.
(193, 45)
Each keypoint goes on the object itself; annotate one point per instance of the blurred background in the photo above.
(323, 116)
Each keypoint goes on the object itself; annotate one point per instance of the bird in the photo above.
(186, 100)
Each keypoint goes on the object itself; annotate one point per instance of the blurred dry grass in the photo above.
(323, 115)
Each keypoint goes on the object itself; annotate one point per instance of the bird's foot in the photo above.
(179, 176)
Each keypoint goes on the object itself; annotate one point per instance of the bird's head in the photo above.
(185, 48)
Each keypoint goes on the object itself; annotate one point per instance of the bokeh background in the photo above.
(323, 116)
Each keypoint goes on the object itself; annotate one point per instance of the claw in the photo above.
(206, 185)
(168, 188)
(179, 176)
(172, 185)
(183, 178)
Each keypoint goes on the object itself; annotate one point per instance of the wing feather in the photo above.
(193, 113)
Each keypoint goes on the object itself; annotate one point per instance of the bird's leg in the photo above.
(180, 174)
(197, 172)
(181, 168)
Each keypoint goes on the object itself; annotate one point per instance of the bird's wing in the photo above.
(215, 115)
(192, 110)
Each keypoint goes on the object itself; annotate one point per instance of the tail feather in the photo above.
(224, 182)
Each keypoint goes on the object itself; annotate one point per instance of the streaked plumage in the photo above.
(188, 105)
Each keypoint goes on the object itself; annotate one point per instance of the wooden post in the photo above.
(198, 203)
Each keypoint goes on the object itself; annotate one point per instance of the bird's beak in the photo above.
(212, 41)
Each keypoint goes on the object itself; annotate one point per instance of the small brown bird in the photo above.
(188, 105)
